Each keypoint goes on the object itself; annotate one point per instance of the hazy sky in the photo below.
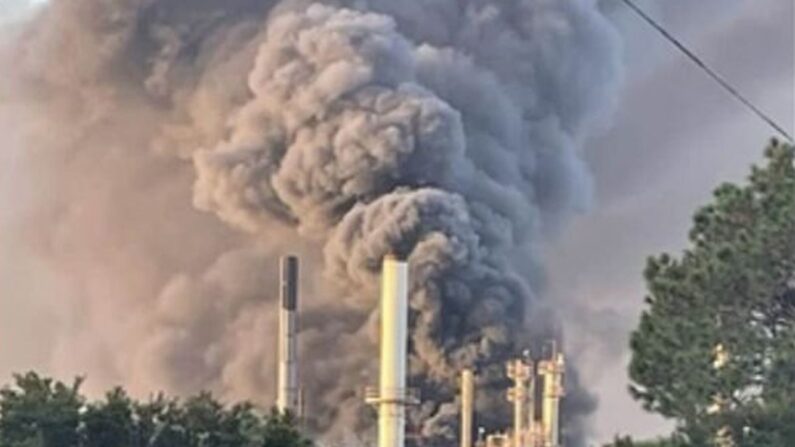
(675, 137)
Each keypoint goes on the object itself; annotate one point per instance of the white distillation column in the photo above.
(552, 371)
(392, 396)
(288, 399)
(467, 407)
(520, 372)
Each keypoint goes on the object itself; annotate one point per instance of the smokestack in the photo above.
(552, 370)
(392, 397)
(467, 406)
(288, 392)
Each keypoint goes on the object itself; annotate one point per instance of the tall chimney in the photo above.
(552, 371)
(288, 392)
(392, 397)
(467, 406)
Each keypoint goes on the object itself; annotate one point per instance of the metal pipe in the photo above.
(532, 424)
(288, 390)
(552, 371)
(520, 373)
(394, 345)
(467, 406)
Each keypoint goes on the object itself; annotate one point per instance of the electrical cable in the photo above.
(709, 71)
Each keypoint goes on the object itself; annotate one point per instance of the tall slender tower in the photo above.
(392, 395)
(467, 407)
(288, 393)
(520, 372)
(532, 424)
(552, 371)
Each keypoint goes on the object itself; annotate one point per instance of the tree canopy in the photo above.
(41, 412)
(715, 347)
(626, 441)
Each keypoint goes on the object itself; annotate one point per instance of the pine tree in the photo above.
(715, 347)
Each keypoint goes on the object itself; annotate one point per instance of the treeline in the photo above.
(626, 441)
(40, 412)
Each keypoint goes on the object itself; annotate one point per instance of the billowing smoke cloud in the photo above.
(447, 132)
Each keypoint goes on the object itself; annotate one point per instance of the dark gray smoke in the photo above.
(445, 131)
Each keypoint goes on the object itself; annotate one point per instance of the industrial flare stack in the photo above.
(529, 430)
(288, 395)
(392, 396)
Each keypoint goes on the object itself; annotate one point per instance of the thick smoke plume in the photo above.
(444, 131)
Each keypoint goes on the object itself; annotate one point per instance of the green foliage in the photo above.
(732, 291)
(40, 412)
(626, 441)
(109, 423)
(279, 430)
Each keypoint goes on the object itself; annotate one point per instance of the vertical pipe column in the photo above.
(394, 344)
(519, 372)
(467, 406)
(288, 392)
(518, 413)
(552, 370)
(531, 410)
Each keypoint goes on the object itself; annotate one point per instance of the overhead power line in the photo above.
(709, 71)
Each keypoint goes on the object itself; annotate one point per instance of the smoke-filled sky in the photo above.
(674, 136)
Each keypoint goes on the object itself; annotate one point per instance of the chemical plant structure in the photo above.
(535, 395)
(537, 388)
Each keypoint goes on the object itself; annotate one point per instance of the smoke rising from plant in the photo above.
(447, 132)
